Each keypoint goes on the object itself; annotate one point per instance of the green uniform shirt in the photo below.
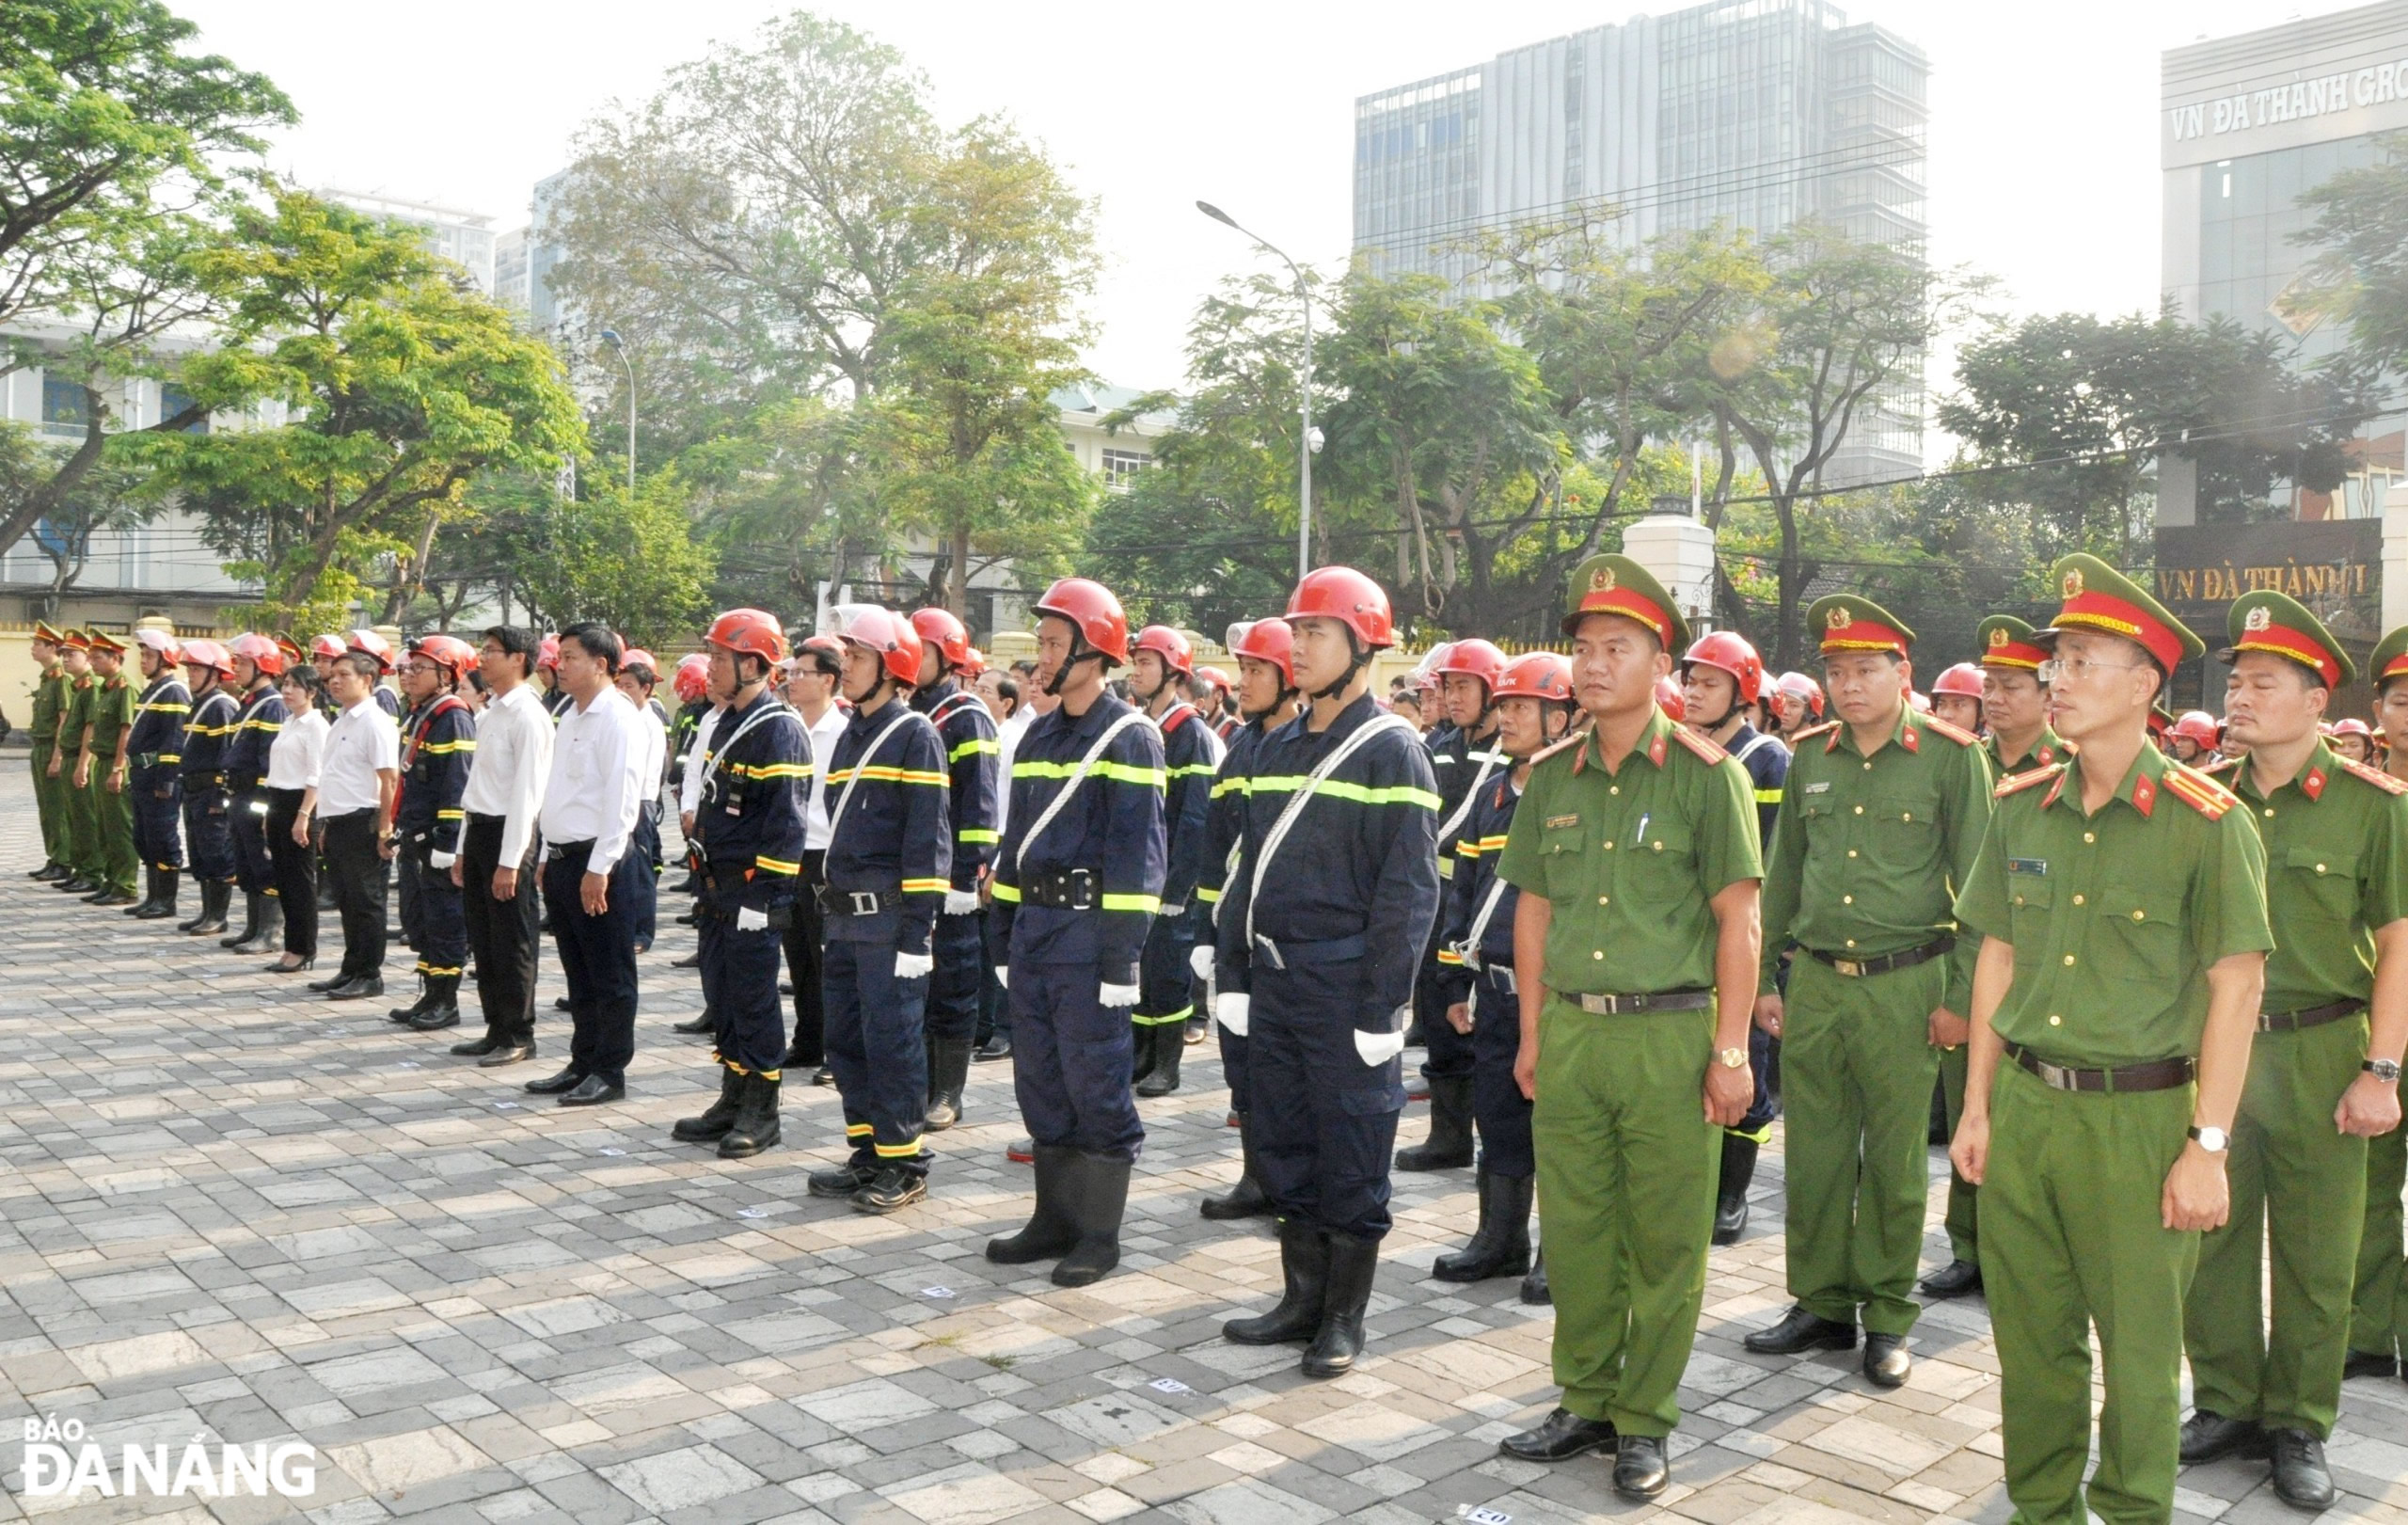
(2336, 867)
(113, 701)
(1868, 853)
(50, 701)
(1630, 860)
(77, 715)
(2115, 917)
(2048, 749)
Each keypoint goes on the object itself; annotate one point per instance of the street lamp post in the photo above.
(1304, 402)
(611, 336)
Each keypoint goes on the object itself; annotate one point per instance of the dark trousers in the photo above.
(739, 971)
(442, 940)
(645, 849)
(406, 878)
(296, 872)
(207, 832)
(1449, 1052)
(803, 937)
(1165, 985)
(1072, 1056)
(995, 1002)
(254, 867)
(1497, 1104)
(1763, 1052)
(1236, 1069)
(598, 957)
(501, 932)
(878, 1045)
(359, 875)
(1323, 1122)
(158, 821)
(961, 952)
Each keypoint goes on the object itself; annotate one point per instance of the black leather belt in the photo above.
(1622, 1006)
(1276, 955)
(2156, 1075)
(836, 902)
(1063, 889)
(2311, 1016)
(1861, 968)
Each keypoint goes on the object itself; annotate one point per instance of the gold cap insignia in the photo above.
(1840, 619)
(2073, 583)
(1998, 635)
(2258, 618)
(1601, 580)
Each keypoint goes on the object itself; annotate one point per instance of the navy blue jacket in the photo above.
(1190, 758)
(682, 727)
(438, 742)
(1481, 844)
(1112, 827)
(159, 718)
(1767, 765)
(749, 818)
(972, 755)
(208, 734)
(1461, 765)
(1225, 819)
(892, 837)
(387, 701)
(258, 717)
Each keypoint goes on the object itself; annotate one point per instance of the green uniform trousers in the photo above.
(113, 820)
(1964, 1227)
(2073, 1234)
(1857, 1068)
(83, 826)
(50, 803)
(1627, 1173)
(2293, 1174)
(2379, 1313)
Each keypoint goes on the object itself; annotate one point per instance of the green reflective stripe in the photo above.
(1767, 797)
(1163, 1021)
(1150, 904)
(1007, 894)
(1394, 794)
(977, 833)
(1118, 773)
(975, 745)
(1193, 769)
(1208, 895)
(1229, 785)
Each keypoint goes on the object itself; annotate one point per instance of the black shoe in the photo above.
(755, 1126)
(823, 1076)
(1799, 1331)
(1304, 1264)
(692, 960)
(1500, 1246)
(2208, 1435)
(1886, 1362)
(1535, 1291)
(281, 967)
(117, 897)
(74, 885)
(1730, 1200)
(359, 988)
(948, 1078)
(785, 987)
(1168, 1041)
(1640, 1470)
(592, 1092)
(1353, 1263)
(997, 1047)
(1559, 1437)
(434, 1019)
(893, 1189)
(560, 1003)
(2301, 1478)
(1053, 1228)
(842, 1182)
(567, 1079)
(322, 986)
(688, 919)
(477, 1048)
(403, 1015)
(1098, 1199)
(507, 1054)
(2369, 1363)
(702, 1021)
(47, 873)
(1246, 1199)
(1449, 1145)
(712, 1123)
(1958, 1279)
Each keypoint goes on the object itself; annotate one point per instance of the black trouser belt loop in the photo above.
(1860, 968)
(2156, 1075)
(1622, 1006)
(2309, 1016)
(1063, 889)
(1329, 950)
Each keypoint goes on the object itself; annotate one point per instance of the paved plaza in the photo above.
(232, 1210)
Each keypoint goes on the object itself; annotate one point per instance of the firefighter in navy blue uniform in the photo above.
(1076, 885)
(972, 756)
(748, 848)
(1159, 660)
(1722, 675)
(1467, 673)
(1533, 705)
(1267, 698)
(156, 752)
(438, 744)
(1323, 925)
(208, 804)
(692, 683)
(258, 715)
(890, 850)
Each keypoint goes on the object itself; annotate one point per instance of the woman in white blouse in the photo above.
(293, 762)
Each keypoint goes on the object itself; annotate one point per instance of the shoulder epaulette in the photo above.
(2200, 792)
(1705, 747)
(1824, 729)
(2375, 776)
(1568, 743)
(2025, 781)
(1955, 733)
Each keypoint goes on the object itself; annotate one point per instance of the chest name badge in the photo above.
(1819, 786)
(2028, 866)
(1558, 823)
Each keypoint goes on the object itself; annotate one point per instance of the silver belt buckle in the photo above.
(864, 903)
(2055, 1075)
(1505, 979)
(1848, 967)
(1270, 951)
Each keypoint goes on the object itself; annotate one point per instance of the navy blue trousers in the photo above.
(646, 849)
(1497, 1105)
(598, 957)
(207, 833)
(254, 869)
(1072, 1056)
(158, 824)
(441, 931)
(1446, 1051)
(1323, 1122)
(995, 1002)
(740, 988)
(1233, 1070)
(1166, 984)
(878, 1045)
(960, 951)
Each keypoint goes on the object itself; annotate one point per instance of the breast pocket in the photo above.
(2029, 897)
(1903, 831)
(2139, 937)
(1563, 856)
(2320, 881)
(1660, 858)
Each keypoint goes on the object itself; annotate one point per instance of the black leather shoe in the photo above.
(78, 884)
(592, 1092)
(2208, 1435)
(1958, 1279)
(477, 1048)
(435, 1020)
(1886, 1362)
(891, 1189)
(359, 989)
(553, 1085)
(1799, 1331)
(997, 1047)
(692, 960)
(322, 986)
(560, 1003)
(116, 897)
(281, 967)
(823, 1076)
(702, 1021)
(507, 1054)
(2301, 1478)
(842, 1182)
(2369, 1363)
(1535, 1291)
(1559, 1437)
(1640, 1470)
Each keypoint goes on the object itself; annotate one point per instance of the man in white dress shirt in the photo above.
(591, 802)
(353, 804)
(496, 869)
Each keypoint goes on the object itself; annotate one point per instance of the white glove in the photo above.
(1003, 976)
(441, 860)
(913, 966)
(1229, 1010)
(960, 902)
(1199, 958)
(749, 920)
(1121, 996)
(1174, 908)
(1379, 1048)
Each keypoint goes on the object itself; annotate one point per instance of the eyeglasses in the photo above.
(2058, 668)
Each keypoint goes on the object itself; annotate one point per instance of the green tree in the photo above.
(632, 563)
(2360, 272)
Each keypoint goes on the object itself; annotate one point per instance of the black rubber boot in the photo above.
(948, 1073)
(268, 933)
(150, 891)
(1501, 1245)
(1245, 1200)
(165, 906)
(408, 1014)
(1351, 1264)
(1097, 1203)
(1169, 1041)
(756, 1120)
(1141, 1048)
(1535, 1291)
(1304, 1261)
(250, 924)
(718, 1117)
(202, 886)
(1448, 1146)
(214, 894)
(1052, 1229)
(1731, 1203)
(439, 1007)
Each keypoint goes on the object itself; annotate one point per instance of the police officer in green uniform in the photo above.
(106, 772)
(2378, 1305)
(1879, 820)
(82, 837)
(1635, 941)
(2121, 899)
(2323, 1073)
(50, 700)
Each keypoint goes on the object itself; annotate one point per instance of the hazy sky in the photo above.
(2043, 145)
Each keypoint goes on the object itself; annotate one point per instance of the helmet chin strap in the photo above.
(1361, 657)
(1080, 651)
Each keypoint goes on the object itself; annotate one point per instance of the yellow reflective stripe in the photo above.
(1208, 895)
(896, 1151)
(1007, 894)
(441, 749)
(1394, 794)
(1767, 797)
(858, 1130)
(971, 747)
(926, 886)
(1466, 849)
(777, 865)
(1229, 785)
(977, 833)
(256, 724)
(1118, 773)
(1448, 954)
(164, 708)
(889, 775)
(426, 968)
(1151, 904)
(1191, 769)
(1163, 1021)
(1493, 844)
(451, 815)
(771, 770)
(172, 756)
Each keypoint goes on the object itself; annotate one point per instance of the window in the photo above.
(1120, 469)
(174, 399)
(65, 410)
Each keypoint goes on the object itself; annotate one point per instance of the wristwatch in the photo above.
(2214, 1141)
(1736, 1058)
(2386, 1070)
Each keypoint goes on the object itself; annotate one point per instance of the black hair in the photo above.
(642, 675)
(368, 667)
(1008, 689)
(477, 679)
(520, 642)
(305, 677)
(595, 641)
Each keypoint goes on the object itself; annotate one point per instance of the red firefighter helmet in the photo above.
(1093, 611)
(1342, 593)
(328, 646)
(692, 678)
(1728, 651)
(448, 652)
(1472, 657)
(1176, 653)
(1538, 674)
(751, 632)
(1272, 640)
(260, 650)
(638, 657)
(211, 655)
(1669, 699)
(2351, 725)
(370, 644)
(1425, 672)
(1216, 677)
(1798, 686)
(2198, 726)
(161, 642)
(889, 635)
(1964, 680)
(827, 651)
(939, 628)
(547, 653)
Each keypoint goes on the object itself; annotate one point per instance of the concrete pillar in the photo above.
(1678, 551)
(2395, 556)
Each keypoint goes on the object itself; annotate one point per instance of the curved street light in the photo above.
(1305, 403)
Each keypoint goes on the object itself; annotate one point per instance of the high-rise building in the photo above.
(509, 257)
(1753, 113)
(465, 238)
